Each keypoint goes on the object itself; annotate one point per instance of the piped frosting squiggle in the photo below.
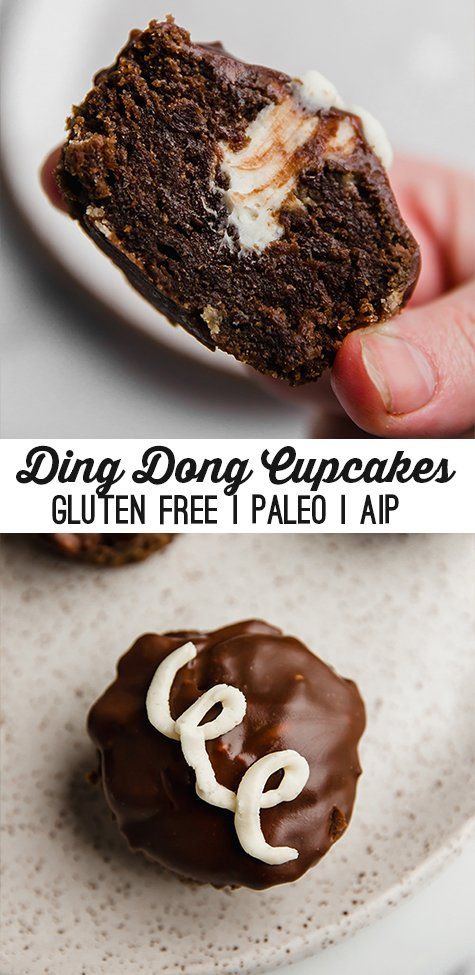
(250, 797)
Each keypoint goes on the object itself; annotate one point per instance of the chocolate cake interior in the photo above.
(175, 159)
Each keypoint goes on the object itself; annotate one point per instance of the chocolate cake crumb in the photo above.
(109, 550)
(263, 225)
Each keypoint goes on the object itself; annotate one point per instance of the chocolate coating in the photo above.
(104, 549)
(294, 700)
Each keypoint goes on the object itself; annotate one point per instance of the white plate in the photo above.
(53, 47)
(391, 612)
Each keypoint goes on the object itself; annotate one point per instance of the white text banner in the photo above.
(237, 485)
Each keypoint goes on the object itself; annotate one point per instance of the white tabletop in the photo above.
(69, 370)
(431, 934)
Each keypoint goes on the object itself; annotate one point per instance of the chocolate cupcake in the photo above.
(249, 207)
(257, 793)
(105, 549)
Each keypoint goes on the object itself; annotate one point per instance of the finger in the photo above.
(413, 376)
(438, 205)
(48, 179)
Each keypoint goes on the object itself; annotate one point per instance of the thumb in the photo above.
(415, 375)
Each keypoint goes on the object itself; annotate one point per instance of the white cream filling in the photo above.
(317, 93)
(258, 181)
(250, 798)
(343, 141)
(259, 176)
(374, 134)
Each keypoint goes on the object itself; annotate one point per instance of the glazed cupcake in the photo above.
(257, 793)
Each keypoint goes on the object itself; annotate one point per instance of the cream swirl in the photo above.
(262, 175)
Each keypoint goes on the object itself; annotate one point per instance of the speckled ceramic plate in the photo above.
(392, 612)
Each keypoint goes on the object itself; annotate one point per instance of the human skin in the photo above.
(413, 376)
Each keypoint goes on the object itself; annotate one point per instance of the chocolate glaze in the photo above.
(103, 549)
(294, 700)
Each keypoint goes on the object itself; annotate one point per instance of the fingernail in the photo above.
(402, 375)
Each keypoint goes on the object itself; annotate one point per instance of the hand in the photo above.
(414, 376)
(48, 179)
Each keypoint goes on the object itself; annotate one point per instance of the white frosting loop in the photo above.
(251, 798)
(157, 701)
(192, 735)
